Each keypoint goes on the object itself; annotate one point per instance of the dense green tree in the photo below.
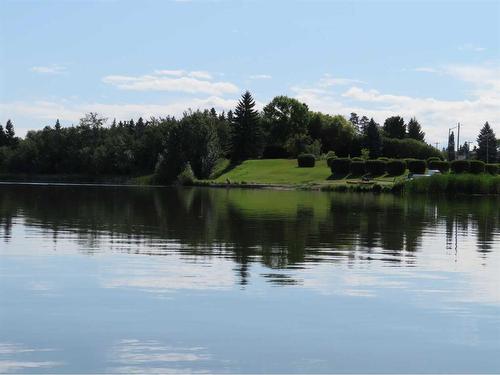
(394, 127)
(354, 120)
(246, 134)
(415, 130)
(487, 144)
(284, 118)
(373, 139)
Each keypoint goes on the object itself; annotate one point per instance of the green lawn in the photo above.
(286, 172)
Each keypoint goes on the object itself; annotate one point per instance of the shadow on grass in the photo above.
(337, 176)
(226, 169)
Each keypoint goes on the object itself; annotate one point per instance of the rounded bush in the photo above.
(460, 166)
(375, 167)
(396, 167)
(492, 168)
(432, 158)
(441, 166)
(477, 166)
(358, 167)
(383, 158)
(340, 166)
(417, 166)
(357, 158)
(329, 160)
(306, 160)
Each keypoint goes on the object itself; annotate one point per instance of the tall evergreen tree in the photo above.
(354, 120)
(3, 137)
(363, 124)
(487, 144)
(246, 139)
(451, 147)
(394, 127)
(57, 126)
(373, 140)
(415, 130)
(10, 133)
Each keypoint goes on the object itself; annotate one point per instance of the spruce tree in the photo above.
(451, 147)
(394, 127)
(487, 144)
(9, 133)
(415, 130)
(57, 126)
(246, 140)
(373, 140)
(3, 137)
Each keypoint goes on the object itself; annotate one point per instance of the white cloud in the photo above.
(327, 80)
(51, 69)
(471, 47)
(172, 80)
(435, 115)
(260, 76)
(71, 111)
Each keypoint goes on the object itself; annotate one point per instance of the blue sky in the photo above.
(438, 61)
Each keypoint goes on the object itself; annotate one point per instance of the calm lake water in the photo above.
(121, 279)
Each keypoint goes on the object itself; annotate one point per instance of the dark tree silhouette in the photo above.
(415, 130)
(246, 136)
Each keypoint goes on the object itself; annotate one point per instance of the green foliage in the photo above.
(408, 148)
(284, 118)
(340, 166)
(358, 167)
(460, 166)
(415, 130)
(246, 135)
(365, 154)
(442, 166)
(464, 183)
(432, 158)
(306, 160)
(334, 132)
(487, 144)
(314, 148)
(396, 167)
(492, 169)
(373, 139)
(477, 166)
(186, 177)
(417, 166)
(451, 147)
(394, 127)
(383, 158)
(376, 167)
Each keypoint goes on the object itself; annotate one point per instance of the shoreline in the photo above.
(400, 187)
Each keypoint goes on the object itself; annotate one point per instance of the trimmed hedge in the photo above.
(383, 158)
(441, 166)
(357, 158)
(329, 160)
(460, 166)
(375, 167)
(306, 160)
(432, 158)
(492, 168)
(477, 166)
(396, 167)
(358, 167)
(417, 166)
(340, 166)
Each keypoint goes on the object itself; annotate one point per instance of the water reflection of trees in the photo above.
(288, 230)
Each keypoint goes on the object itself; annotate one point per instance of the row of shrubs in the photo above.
(396, 167)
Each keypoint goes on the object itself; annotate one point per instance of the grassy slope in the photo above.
(285, 171)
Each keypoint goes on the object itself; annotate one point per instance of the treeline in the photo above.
(195, 142)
